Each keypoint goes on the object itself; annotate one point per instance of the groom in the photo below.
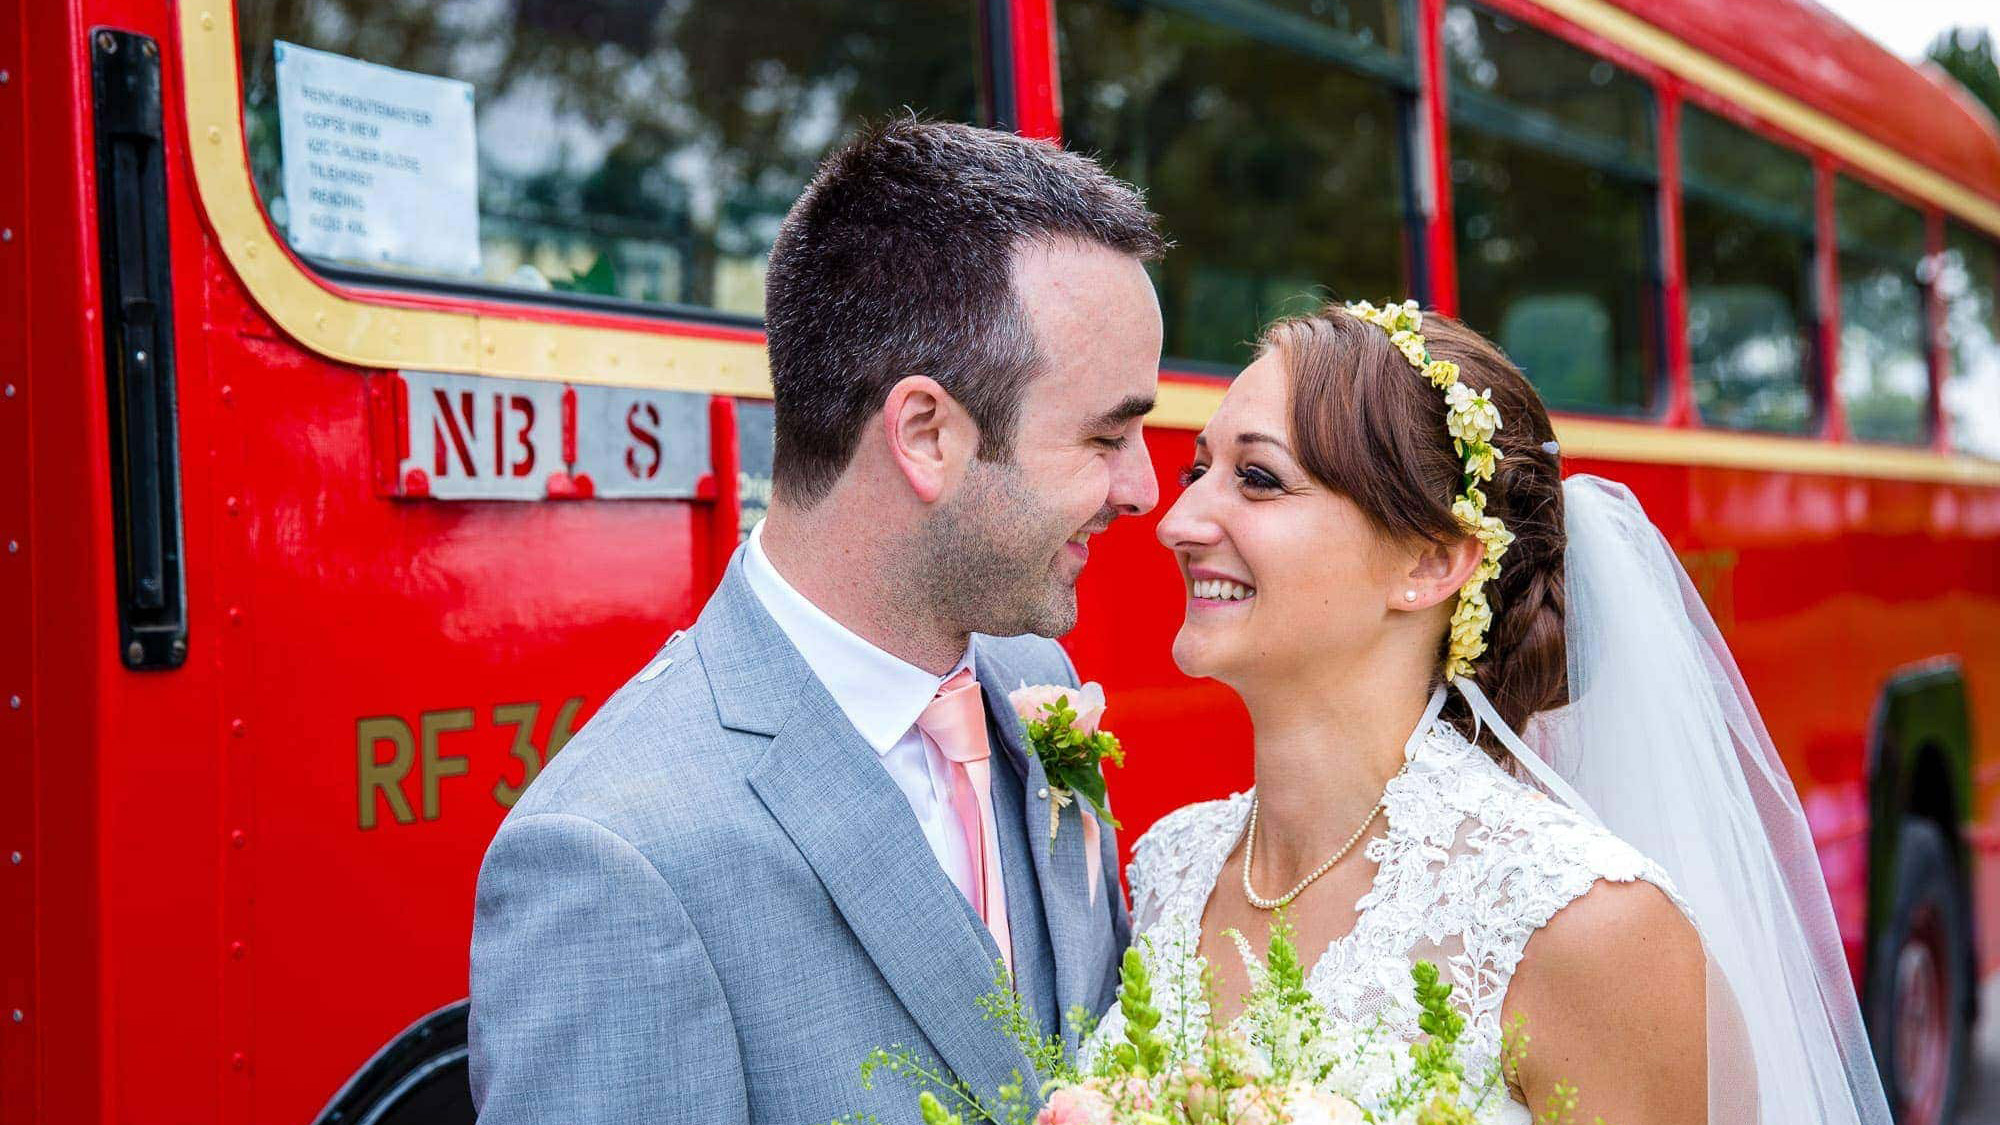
(812, 826)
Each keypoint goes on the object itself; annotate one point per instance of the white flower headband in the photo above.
(1472, 420)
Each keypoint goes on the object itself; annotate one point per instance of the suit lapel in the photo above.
(824, 785)
(1059, 865)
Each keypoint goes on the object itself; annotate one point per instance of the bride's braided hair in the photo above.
(1367, 425)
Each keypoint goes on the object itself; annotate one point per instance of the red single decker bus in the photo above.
(382, 382)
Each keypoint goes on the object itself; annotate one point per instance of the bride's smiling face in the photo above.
(1282, 574)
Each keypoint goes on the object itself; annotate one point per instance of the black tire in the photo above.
(1919, 981)
(418, 1078)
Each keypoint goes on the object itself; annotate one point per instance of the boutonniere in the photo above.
(1064, 729)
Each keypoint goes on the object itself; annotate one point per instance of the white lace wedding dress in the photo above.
(1472, 862)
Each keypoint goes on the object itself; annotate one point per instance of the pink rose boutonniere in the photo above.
(1064, 726)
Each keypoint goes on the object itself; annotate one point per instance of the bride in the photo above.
(1385, 564)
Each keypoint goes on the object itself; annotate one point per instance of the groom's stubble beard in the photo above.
(986, 558)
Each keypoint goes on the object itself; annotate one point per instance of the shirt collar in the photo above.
(880, 694)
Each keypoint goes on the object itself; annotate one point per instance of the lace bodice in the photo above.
(1473, 861)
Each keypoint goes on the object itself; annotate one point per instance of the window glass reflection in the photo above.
(1884, 377)
(1969, 282)
(1747, 231)
(1271, 140)
(634, 148)
(1553, 194)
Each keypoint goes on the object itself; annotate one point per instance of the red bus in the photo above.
(382, 383)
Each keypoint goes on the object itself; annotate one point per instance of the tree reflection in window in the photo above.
(1553, 180)
(1884, 377)
(1969, 282)
(1747, 229)
(643, 149)
(1270, 137)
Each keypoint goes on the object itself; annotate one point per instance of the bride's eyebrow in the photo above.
(1266, 439)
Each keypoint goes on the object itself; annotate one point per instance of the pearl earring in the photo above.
(1409, 595)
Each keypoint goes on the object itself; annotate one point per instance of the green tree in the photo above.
(1967, 54)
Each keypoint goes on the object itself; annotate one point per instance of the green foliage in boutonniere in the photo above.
(1063, 726)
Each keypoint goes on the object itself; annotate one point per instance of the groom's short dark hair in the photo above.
(896, 261)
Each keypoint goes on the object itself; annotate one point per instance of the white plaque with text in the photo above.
(381, 166)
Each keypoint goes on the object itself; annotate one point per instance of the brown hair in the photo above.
(898, 260)
(1368, 425)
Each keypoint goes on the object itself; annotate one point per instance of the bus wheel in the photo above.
(1918, 988)
(418, 1078)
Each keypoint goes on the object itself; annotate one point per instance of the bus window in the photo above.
(1969, 281)
(1747, 213)
(625, 148)
(1884, 380)
(1272, 138)
(1554, 176)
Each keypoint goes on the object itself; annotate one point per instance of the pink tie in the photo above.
(955, 722)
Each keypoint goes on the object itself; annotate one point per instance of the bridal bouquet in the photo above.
(1286, 1062)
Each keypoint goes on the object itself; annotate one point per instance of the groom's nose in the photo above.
(1135, 485)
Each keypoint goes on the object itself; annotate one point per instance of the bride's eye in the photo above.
(1191, 474)
(1254, 477)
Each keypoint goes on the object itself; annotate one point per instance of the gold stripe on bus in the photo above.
(373, 334)
(1188, 405)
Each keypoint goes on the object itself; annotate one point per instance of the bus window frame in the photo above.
(376, 319)
(997, 84)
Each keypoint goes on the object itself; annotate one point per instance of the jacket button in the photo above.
(1042, 794)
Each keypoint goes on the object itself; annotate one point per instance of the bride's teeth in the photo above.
(1221, 589)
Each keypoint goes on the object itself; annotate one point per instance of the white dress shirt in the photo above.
(882, 696)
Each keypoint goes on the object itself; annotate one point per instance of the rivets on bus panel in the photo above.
(5, 77)
(6, 234)
(19, 1015)
(215, 134)
(237, 839)
(237, 1060)
(236, 951)
(14, 702)
(10, 390)
(231, 506)
(106, 42)
(135, 652)
(17, 859)
(207, 22)
(236, 615)
(13, 546)
(228, 393)
(237, 727)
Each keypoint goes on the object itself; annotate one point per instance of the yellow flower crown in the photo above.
(1472, 420)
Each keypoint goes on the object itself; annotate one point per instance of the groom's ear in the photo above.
(929, 435)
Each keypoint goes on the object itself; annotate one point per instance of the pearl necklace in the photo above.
(1250, 851)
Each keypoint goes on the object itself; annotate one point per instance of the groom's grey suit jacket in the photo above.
(715, 902)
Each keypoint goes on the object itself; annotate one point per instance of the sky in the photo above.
(1908, 26)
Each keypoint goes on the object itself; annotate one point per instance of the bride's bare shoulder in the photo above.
(1619, 973)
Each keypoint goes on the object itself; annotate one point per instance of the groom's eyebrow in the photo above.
(1134, 406)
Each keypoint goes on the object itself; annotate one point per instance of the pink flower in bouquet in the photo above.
(1256, 1105)
(1305, 1105)
(1075, 1105)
